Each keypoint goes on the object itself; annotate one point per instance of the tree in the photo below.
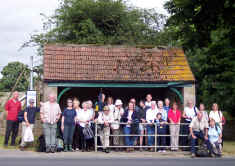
(206, 31)
(11, 73)
(100, 22)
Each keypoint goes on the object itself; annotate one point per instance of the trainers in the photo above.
(164, 151)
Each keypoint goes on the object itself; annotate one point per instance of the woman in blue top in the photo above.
(68, 125)
(215, 138)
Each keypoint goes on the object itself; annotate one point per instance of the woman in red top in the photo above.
(174, 116)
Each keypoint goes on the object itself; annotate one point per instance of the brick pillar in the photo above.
(189, 93)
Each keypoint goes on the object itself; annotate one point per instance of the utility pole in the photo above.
(31, 73)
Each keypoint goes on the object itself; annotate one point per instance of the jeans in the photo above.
(199, 135)
(68, 134)
(161, 140)
(50, 134)
(23, 131)
(150, 131)
(129, 140)
(12, 128)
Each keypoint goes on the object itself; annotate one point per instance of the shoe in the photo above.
(13, 144)
(116, 149)
(21, 148)
(48, 149)
(107, 151)
(66, 148)
(127, 150)
(141, 149)
(70, 148)
(164, 151)
(53, 149)
(160, 151)
(193, 155)
(77, 149)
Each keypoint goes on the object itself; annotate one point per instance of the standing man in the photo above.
(12, 107)
(50, 115)
(148, 100)
(167, 105)
(29, 120)
(190, 111)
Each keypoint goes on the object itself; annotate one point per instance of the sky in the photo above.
(21, 18)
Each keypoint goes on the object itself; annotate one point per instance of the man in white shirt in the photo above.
(105, 119)
(50, 114)
(190, 111)
(148, 100)
(150, 118)
(110, 104)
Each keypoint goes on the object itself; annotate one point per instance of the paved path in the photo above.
(115, 162)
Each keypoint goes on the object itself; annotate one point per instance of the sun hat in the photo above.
(118, 102)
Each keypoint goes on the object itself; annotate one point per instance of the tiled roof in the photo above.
(114, 63)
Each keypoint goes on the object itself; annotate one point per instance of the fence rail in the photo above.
(155, 135)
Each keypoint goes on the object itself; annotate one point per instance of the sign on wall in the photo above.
(31, 95)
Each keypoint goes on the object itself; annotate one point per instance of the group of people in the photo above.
(133, 122)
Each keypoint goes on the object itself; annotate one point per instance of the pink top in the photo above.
(174, 116)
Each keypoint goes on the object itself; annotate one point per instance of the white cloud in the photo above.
(20, 18)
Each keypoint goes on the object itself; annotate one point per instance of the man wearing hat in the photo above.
(29, 120)
(105, 119)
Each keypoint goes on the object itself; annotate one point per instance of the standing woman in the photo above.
(84, 119)
(174, 116)
(217, 115)
(68, 125)
(76, 136)
(129, 117)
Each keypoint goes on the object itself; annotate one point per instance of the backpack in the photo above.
(202, 151)
(41, 144)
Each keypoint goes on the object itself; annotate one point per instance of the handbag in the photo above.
(88, 133)
(28, 135)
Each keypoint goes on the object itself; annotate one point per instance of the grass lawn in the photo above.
(229, 148)
(32, 146)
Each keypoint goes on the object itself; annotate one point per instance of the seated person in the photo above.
(161, 130)
(198, 130)
(215, 138)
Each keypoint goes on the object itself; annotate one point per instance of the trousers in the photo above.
(50, 134)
